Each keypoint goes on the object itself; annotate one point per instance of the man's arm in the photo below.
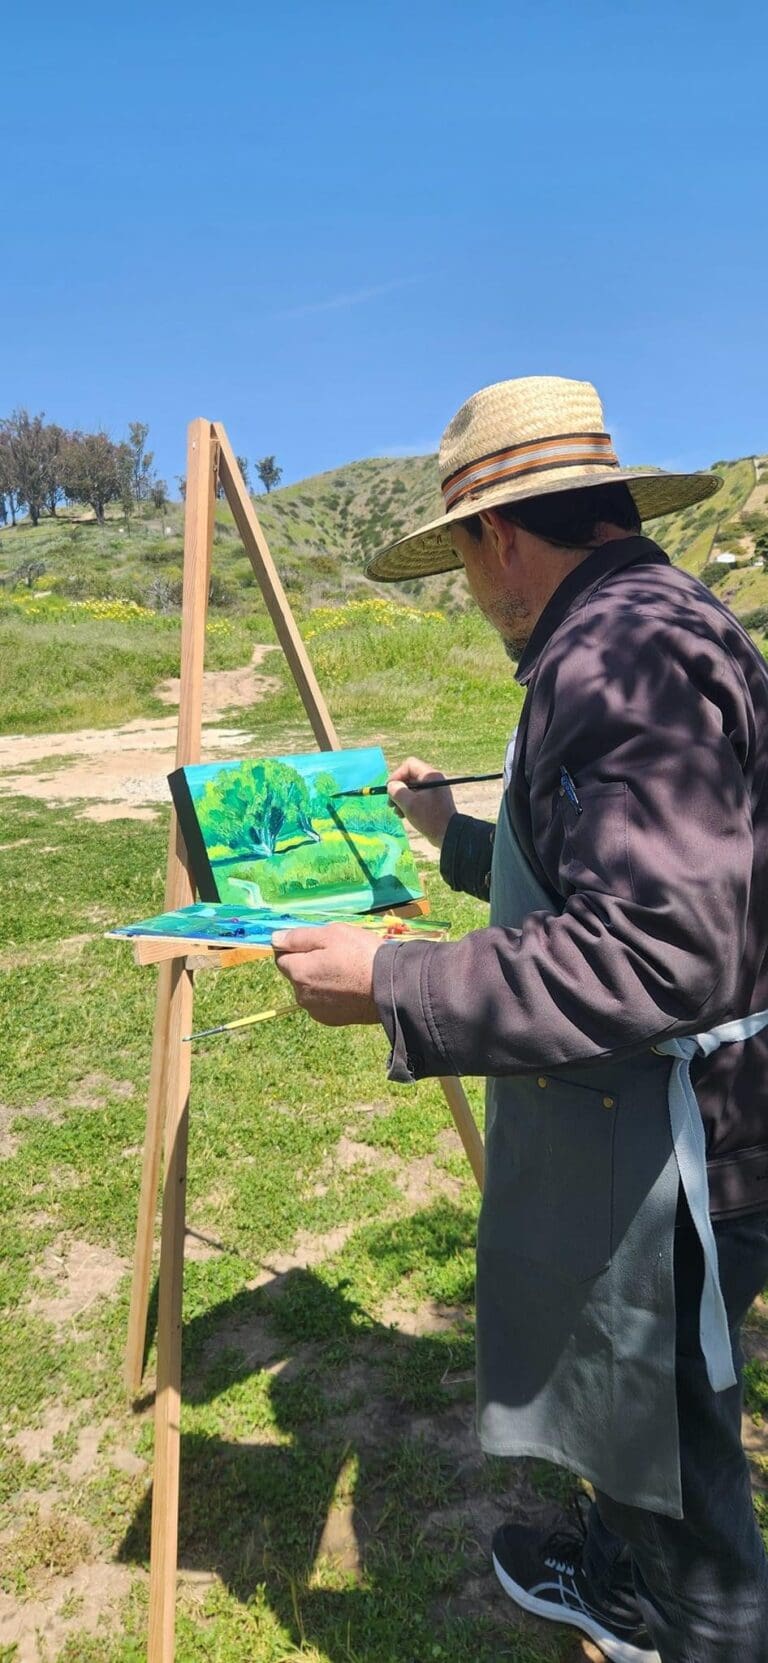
(655, 872)
(465, 844)
(466, 854)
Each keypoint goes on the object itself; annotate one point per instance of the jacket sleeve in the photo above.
(654, 871)
(465, 858)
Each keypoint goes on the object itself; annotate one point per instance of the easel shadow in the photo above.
(386, 891)
(319, 1513)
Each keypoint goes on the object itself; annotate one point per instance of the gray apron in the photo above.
(575, 1289)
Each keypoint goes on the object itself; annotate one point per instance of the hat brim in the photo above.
(429, 550)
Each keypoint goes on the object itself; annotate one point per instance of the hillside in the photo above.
(322, 529)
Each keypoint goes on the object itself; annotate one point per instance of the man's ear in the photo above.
(501, 532)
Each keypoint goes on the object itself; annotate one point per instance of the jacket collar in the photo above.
(601, 563)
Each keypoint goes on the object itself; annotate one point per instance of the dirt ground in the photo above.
(121, 773)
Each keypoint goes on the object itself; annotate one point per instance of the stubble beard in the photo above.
(512, 621)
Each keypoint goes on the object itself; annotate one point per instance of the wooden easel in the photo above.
(209, 460)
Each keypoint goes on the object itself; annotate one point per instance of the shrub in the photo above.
(220, 592)
(757, 619)
(166, 553)
(333, 864)
(164, 593)
(712, 574)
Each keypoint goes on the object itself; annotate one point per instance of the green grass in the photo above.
(61, 668)
(301, 1402)
(319, 1417)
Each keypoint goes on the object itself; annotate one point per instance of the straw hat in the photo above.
(526, 438)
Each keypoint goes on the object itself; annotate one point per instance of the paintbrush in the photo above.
(243, 1022)
(418, 785)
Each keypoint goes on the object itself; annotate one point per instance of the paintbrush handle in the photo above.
(458, 779)
(421, 785)
(243, 1022)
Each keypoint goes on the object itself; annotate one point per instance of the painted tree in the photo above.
(324, 788)
(249, 808)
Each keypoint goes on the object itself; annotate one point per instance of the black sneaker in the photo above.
(543, 1574)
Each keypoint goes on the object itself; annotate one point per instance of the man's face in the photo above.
(497, 580)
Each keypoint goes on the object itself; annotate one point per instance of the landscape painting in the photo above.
(280, 833)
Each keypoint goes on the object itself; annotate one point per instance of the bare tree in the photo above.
(141, 461)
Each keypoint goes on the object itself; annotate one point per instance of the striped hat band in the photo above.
(564, 450)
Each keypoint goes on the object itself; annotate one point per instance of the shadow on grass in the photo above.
(347, 1494)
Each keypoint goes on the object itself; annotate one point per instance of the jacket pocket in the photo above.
(595, 842)
(550, 1174)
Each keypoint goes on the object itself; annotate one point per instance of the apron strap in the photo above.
(689, 1143)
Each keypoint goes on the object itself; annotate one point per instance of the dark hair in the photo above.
(568, 519)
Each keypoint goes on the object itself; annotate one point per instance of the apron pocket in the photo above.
(549, 1186)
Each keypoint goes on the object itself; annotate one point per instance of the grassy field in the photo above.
(334, 1507)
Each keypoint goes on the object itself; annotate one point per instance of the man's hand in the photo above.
(427, 811)
(331, 972)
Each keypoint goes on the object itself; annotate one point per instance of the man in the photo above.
(628, 888)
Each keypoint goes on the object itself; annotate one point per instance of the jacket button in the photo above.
(609, 1102)
(542, 1080)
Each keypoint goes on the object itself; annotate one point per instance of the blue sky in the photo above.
(326, 225)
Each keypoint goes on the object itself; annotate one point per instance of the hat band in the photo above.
(566, 450)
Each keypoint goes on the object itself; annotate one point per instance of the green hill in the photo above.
(322, 530)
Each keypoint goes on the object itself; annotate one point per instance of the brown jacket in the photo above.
(654, 699)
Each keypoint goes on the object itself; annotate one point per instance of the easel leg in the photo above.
(466, 1126)
(165, 1490)
(179, 890)
(150, 1175)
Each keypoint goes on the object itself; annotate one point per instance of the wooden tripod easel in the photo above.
(209, 460)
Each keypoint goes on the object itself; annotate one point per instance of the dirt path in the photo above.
(757, 501)
(122, 772)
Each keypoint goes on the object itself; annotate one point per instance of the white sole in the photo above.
(619, 1651)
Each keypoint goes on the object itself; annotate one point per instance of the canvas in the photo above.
(274, 833)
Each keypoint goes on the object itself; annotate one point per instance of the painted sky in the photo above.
(352, 769)
(327, 225)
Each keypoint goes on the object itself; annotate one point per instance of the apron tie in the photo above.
(688, 1139)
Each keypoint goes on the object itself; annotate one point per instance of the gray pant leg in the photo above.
(701, 1581)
